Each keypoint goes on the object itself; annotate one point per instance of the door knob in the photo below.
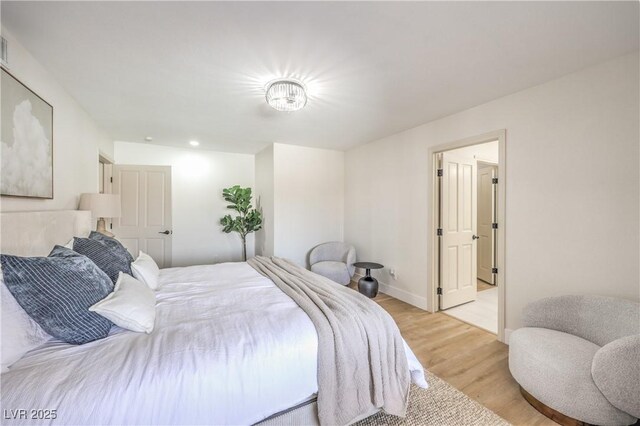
(475, 237)
(167, 232)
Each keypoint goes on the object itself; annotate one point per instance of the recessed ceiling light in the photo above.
(286, 95)
(148, 139)
(194, 143)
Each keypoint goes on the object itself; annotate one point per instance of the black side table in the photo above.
(368, 285)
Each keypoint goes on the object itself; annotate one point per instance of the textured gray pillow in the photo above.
(107, 259)
(57, 291)
(113, 244)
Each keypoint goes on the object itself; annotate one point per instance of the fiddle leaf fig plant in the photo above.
(248, 220)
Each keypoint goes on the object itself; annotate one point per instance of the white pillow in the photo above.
(145, 269)
(131, 305)
(20, 333)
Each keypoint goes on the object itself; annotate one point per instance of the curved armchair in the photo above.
(334, 260)
(578, 356)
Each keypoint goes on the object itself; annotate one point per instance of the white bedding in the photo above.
(228, 348)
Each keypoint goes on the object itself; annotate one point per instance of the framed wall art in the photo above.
(26, 141)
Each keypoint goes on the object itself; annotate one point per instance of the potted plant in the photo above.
(249, 219)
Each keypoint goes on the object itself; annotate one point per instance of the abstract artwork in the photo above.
(26, 141)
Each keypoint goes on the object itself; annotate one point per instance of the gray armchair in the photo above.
(334, 260)
(580, 356)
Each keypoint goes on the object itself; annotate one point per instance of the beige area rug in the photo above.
(441, 404)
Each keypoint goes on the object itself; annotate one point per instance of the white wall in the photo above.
(301, 191)
(76, 137)
(308, 199)
(198, 177)
(572, 189)
(264, 195)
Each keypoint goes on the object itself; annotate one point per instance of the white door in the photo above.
(486, 218)
(145, 221)
(458, 248)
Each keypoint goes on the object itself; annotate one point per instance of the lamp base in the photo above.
(101, 228)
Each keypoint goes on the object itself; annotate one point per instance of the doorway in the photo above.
(105, 181)
(468, 242)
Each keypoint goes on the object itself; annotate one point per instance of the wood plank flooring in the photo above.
(470, 359)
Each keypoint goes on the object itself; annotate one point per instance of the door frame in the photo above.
(107, 178)
(432, 238)
(106, 163)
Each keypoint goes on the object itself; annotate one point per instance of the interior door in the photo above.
(486, 218)
(458, 248)
(145, 221)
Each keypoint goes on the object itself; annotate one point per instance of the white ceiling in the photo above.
(196, 70)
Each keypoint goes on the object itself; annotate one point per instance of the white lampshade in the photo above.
(101, 205)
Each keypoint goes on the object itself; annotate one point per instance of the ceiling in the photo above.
(179, 71)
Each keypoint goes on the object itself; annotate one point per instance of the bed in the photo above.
(229, 347)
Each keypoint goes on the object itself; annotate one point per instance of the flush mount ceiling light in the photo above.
(194, 143)
(286, 95)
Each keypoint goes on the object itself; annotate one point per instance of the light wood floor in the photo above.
(470, 359)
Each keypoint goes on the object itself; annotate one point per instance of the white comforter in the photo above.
(228, 348)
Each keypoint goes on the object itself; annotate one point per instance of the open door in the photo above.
(145, 221)
(458, 223)
(486, 218)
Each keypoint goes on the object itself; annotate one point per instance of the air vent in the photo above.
(4, 52)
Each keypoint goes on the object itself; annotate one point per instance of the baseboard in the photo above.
(405, 296)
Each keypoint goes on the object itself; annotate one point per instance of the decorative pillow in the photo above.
(20, 333)
(111, 262)
(57, 291)
(69, 244)
(113, 244)
(146, 270)
(131, 305)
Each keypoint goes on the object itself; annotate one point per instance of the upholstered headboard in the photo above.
(35, 233)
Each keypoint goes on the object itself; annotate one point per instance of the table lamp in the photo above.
(101, 206)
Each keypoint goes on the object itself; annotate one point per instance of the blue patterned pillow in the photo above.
(57, 291)
(102, 255)
(113, 244)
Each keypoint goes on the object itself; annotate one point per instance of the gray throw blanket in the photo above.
(362, 365)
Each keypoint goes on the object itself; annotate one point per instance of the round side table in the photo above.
(368, 285)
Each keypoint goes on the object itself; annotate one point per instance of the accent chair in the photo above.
(578, 357)
(334, 260)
